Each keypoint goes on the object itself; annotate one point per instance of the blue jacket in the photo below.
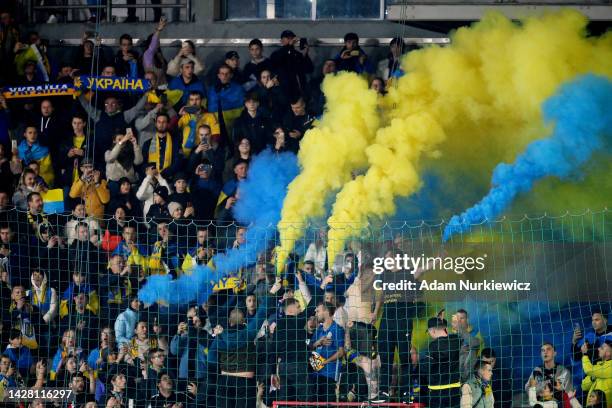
(22, 357)
(179, 346)
(125, 325)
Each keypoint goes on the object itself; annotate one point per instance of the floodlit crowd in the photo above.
(100, 190)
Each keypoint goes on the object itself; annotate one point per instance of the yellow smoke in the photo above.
(483, 92)
(328, 153)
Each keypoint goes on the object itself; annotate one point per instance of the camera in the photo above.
(303, 43)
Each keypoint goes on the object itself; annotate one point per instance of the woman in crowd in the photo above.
(242, 151)
(27, 185)
(187, 51)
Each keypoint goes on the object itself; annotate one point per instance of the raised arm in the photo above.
(601, 371)
(130, 114)
(147, 57)
(91, 110)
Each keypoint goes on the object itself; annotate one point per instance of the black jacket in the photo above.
(253, 71)
(291, 67)
(300, 123)
(122, 67)
(440, 365)
(122, 200)
(88, 335)
(214, 156)
(64, 165)
(158, 213)
(257, 130)
(290, 338)
(273, 102)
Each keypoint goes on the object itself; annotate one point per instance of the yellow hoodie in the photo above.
(598, 377)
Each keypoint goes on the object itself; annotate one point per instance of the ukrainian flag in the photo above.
(39, 154)
(173, 95)
(53, 201)
(231, 100)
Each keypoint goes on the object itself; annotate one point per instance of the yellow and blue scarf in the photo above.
(154, 152)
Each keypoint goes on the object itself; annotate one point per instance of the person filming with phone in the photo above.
(351, 57)
(122, 159)
(208, 150)
(92, 189)
(191, 118)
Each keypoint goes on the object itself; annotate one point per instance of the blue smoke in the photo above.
(259, 206)
(581, 111)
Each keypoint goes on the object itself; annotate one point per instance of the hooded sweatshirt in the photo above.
(44, 298)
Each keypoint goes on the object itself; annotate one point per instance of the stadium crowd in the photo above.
(100, 190)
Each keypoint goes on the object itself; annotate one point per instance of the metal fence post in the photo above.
(30, 11)
(109, 10)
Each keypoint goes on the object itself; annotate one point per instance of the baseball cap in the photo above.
(162, 192)
(231, 54)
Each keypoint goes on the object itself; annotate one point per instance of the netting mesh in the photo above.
(321, 331)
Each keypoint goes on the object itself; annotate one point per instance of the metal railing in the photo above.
(33, 7)
(175, 42)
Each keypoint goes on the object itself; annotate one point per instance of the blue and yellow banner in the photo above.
(114, 84)
(84, 82)
(28, 91)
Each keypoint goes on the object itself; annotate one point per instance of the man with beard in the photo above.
(163, 149)
(327, 350)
